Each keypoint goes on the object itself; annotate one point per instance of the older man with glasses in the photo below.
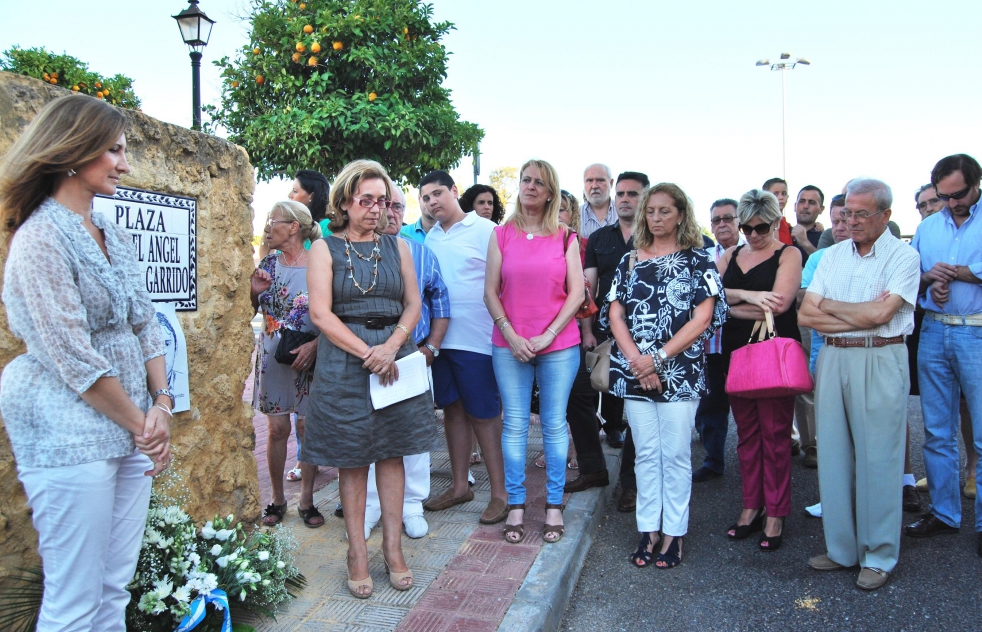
(862, 300)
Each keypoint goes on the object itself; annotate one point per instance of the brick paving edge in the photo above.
(545, 593)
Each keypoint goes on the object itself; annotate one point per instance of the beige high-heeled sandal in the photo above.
(395, 579)
(355, 586)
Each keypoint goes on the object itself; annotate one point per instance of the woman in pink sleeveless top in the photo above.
(533, 288)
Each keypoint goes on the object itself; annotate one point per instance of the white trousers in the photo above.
(663, 465)
(417, 488)
(90, 520)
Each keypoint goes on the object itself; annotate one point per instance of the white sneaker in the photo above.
(370, 524)
(815, 510)
(470, 478)
(416, 526)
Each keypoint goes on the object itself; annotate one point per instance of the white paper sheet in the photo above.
(412, 381)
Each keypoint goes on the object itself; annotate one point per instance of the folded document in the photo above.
(412, 381)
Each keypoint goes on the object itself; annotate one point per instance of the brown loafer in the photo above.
(446, 500)
(495, 512)
(586, 481)
(823, 563)
(628, 501)
(872, 578)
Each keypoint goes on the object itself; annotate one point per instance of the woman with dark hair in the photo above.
(484, 201)
(88, 403)
(312, 189)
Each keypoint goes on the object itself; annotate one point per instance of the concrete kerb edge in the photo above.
(543, 596)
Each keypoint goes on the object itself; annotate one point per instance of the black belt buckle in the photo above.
(374, 322)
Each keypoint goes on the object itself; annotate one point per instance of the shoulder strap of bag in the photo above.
(631, 261)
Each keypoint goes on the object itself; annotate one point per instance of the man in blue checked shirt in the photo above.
(428, 335)
(949, 356)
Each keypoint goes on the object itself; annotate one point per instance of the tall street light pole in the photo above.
(195, 31)
(785, 64)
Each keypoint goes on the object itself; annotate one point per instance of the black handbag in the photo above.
(289, 340)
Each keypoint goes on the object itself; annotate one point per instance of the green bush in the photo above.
(324, 82)
(68, 72)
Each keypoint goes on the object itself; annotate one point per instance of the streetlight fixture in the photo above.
(784, 64)
(195, 31)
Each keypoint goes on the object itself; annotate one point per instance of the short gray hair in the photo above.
(610, 174)
(758, 203)
(880, 190)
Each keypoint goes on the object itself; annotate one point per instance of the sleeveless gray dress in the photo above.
(343, 429)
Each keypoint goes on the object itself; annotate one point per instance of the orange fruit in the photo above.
(308, 29)
(405, 30)
(46, 76)
(296, 57)
(372, 96)
(302, 6)
(235, 84)
(74, 88)
(255, 51)
(315, 47)
(260, 80)
(99, 95)
(312, 61)
(98, 84)
(54, 75)
(105, 90)
(337, 45)
(54, 81)
(301, 47)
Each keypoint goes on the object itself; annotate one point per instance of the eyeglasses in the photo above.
(270, 222)
(847, 215)
(398, 208)
(723, 218)
(367, 202)
(760, 229)
(955, 196)
(931, 202)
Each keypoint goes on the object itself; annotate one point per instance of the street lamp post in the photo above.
(195, 31)
(784, 65)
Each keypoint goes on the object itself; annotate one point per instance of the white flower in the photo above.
(182, 594)
(224, 534)
(194, 558)
(281, 564)
(215, 550)
(208, 531)
(234, 555)
(242, 595)
(230, 518)
(163, 588)
(265, 582)
(222, 561)
(263, 556)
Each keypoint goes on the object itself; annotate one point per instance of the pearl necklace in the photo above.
(375, 254)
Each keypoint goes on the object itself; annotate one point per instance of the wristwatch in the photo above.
(433, 350)
(167, 392)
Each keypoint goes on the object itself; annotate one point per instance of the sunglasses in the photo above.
(722, 218)
(760, 229)
(955, 196)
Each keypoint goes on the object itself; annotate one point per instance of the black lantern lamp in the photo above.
(195, 31)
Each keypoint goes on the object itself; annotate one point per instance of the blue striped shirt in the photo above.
(432, 289)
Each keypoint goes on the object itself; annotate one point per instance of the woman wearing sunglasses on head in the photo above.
(761, 276)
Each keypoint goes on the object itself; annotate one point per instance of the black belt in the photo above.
(370, 322)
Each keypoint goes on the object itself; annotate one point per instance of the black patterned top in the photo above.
(658, 298)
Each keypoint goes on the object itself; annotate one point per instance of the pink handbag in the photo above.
(770, 367)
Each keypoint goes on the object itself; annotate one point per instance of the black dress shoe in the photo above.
(586, 481)
(615, 438)
(912, 500)
(704, 474)
(929, 526)
(628, 501)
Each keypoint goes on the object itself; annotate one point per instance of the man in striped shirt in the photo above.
(598, 209)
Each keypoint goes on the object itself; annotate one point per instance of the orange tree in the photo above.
(68, 72)
(324, 82)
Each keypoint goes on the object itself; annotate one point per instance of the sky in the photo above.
(667, 88)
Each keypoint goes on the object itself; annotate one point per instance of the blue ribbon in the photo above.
(198, 611)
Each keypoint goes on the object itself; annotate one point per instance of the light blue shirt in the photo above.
(939, 240)
(414, 232)
(432, 289)
(806, 279)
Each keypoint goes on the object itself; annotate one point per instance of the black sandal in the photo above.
(771, 543)
(309, 515)
(556, 530)
(516, 529)
(273, 514)
(642, 557)
(743, 531)
(672, 557)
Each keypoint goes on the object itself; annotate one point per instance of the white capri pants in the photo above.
(663, 466)
(90, 520)
(417, 488)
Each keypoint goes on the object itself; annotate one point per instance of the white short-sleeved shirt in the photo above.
(844, 275)
(463, 256)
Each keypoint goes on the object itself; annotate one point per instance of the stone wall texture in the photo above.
(213, 442)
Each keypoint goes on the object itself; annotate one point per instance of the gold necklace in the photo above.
(375, 254)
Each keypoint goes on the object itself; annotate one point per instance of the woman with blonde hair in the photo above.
(87, 403)
(665, 302)
(365, 302)
(282, 380)
(533, 287)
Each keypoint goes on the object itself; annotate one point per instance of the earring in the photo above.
(548, 199)
(71, 172)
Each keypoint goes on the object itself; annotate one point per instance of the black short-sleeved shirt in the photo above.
(604, 250)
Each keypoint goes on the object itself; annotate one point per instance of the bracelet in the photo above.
(165, 409)
(550, 330)
(404, 329)
(499, 318)
(504, 324)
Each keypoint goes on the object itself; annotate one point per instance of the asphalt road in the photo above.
(726, 585)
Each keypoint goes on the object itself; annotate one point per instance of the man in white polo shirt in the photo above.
(463, 376)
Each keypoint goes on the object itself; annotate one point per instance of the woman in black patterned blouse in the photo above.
(663, 308)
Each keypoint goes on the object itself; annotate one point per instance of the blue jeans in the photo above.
(949, 363)
(554, 373)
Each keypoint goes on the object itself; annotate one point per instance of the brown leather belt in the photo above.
(866, 341)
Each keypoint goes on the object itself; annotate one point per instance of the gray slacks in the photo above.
(804, 405)
(861, 413)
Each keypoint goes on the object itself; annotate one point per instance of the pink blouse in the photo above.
(533, 285)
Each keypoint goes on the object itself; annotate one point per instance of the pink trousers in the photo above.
(764, 451)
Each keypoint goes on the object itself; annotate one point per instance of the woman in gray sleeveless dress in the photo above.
(364, 300)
